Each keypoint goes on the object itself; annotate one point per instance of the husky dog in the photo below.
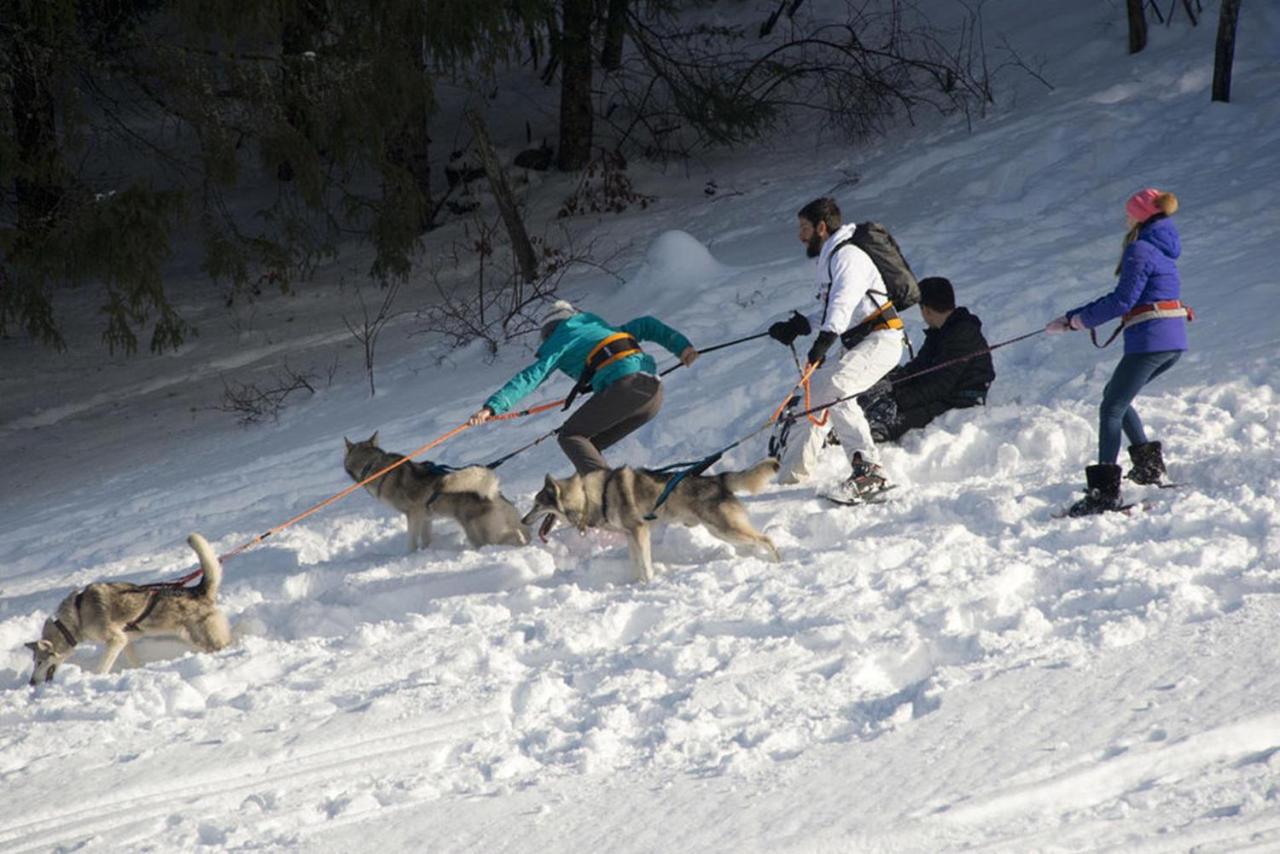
(619, 499)
(109, 612)
(420, 491)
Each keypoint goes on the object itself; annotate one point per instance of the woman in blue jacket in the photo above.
(1147, 298)
(602, 359)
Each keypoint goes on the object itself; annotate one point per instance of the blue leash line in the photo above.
(695, 468)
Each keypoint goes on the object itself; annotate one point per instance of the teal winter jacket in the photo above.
(567, 350)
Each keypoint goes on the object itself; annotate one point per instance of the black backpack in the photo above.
(875, 240)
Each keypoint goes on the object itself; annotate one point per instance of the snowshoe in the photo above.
(865, 485)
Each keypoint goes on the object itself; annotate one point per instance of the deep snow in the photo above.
(950, 670)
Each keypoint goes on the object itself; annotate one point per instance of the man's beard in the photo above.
(814, 249)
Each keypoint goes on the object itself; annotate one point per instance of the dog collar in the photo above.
(66, 632)
(369, 468)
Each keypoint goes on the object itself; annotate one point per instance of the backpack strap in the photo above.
(848, 241)
(884, 317)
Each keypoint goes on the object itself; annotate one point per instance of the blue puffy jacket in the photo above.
(567, 350)
(1148, 273)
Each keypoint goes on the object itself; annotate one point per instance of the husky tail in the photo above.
(478, 479)
(211, 580)
(753, 479)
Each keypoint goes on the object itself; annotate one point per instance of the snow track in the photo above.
(232, 790)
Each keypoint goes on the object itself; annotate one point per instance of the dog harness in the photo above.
(67, 634)
(133, 625)
(1147, 311)
(374, 465)
(611, 349)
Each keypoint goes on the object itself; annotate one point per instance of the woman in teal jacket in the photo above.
(602, 359)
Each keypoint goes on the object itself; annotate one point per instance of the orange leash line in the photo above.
(804, 382)
(315, 508)
(533, 410)
(808, 404)
(808, 374)
(344, 493)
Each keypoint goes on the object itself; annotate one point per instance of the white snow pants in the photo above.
(853, 373)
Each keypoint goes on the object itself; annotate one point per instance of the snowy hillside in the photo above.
(950, 670)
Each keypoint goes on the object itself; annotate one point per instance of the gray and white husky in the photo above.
(115, 612)
(421, 491)
(619, 500)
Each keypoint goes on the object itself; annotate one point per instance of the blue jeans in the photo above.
(1116, 412)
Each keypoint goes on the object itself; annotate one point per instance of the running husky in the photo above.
(619, 499)
(420, 491)
(114, 612)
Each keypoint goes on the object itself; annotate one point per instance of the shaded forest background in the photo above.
(276, 135)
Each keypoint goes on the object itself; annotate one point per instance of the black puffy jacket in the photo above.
(964, 383)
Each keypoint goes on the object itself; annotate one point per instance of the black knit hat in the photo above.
(937, 293)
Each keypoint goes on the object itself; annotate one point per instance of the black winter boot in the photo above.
(1103, 493)
(1148, 463)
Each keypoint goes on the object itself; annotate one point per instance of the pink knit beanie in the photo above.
(1145, 204)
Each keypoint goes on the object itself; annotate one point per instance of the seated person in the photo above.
(901, 402)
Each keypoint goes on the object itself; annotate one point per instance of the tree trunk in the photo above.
(410, 151)
(1137, 25)
(301, 28)
(615, 28)
(1225, 52)
(575, 86)
(410, 144)
(502, 194)
(37, 187)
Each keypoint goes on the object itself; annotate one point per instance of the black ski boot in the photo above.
(1148, 464)
(1103, 492)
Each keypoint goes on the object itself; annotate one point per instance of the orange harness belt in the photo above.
(1156, 311)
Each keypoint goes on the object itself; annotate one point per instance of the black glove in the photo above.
(821, 345)
(787, 331)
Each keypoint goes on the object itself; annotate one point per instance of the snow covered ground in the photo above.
(951, 670)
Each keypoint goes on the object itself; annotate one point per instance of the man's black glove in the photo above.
(821, 345)
(787, 331)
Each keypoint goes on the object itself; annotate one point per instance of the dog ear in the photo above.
(350, 444)
(372, 440)
(552, 489)
(31, 645)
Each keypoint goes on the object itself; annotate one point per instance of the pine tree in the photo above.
(320, 107)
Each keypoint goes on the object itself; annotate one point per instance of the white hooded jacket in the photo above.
(844, 276)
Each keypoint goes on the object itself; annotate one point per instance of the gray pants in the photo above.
(607, 417)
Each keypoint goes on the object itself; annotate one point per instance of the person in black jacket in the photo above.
(900, 403)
